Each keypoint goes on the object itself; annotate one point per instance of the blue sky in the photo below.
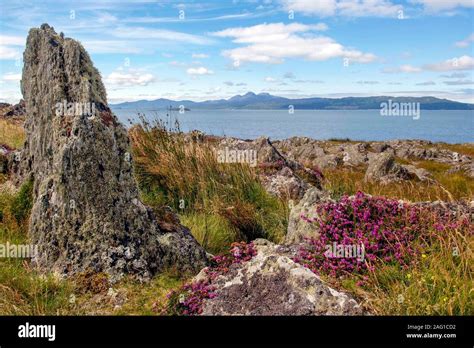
(212, 49)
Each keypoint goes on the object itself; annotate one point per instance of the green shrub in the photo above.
(22, 203)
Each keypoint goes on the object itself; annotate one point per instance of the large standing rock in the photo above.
(86, 213)
(272, 284)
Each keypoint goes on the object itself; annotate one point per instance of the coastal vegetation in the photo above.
(420, 263)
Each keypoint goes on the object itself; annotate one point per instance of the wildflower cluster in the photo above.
(388, 230)
(385, 228)
(188, 300)
(239, 252)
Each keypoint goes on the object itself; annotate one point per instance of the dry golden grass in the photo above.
(440, 283)
(454, 186)
(12, 134)
(464, 149)
(175, 170)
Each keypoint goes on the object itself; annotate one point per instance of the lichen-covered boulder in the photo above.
(298, 227)
(279, 174)
(86, 213)
(355, 154)
(383, 168)
(270, 283)
(285, 184)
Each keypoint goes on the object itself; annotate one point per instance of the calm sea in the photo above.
(447, 126)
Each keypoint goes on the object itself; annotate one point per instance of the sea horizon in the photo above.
(450, 126)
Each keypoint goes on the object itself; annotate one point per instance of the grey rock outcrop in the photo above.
(384, 169)
(298, 228)
(86, 212)
(13, 111)
(280, 175)
(419, 173)
(466, 168)
(272, 284)
(285, 184)
(355, 155)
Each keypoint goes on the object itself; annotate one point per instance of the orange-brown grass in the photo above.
(177, 170)
(455, 186)
(464, 149)
(12, 134)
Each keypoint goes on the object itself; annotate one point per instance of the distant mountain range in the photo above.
(252, 101)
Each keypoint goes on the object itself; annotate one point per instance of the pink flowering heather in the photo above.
(188, 300)
(239, 252)
(390, 232)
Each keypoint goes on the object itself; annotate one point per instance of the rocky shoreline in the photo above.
(87, 212)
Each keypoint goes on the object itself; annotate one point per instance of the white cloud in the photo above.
(402, 69)
(11, 77)
(200, 56)
(264, 33)
(199, 71)
(6, 49)
(308, 81)
(272, 43)
(270, 79)
(7, 52)
(368, 82)
(426, 83)
(130, 78)
(349, 8)
(453, 64)
(457, 63)
(456, 75)
(106, 18)
(466, 42)
(439, 5)
(12, 40)
(459, 82)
